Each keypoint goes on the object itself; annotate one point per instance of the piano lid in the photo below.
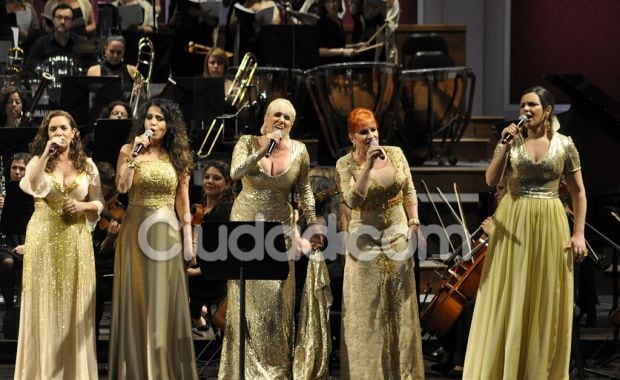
(591, 100)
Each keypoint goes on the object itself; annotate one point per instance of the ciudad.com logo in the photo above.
(251, 241)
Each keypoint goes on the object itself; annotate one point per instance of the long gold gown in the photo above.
(380, 324)
(57, 324)
(522, 323)
(150, 331)
(269, 304)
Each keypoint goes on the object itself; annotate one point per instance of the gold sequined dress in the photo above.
(269, 304)
(522, 323)
(57, 324)
(150, 332)
(380, 324)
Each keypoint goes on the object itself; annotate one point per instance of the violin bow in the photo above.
(457, 193)
(428, 195)
(458, 219)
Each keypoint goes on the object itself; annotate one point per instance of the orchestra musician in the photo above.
(381, 329)
(216, 66)
(522, 323)
(57, 338)
(331, 34)
(14, 103)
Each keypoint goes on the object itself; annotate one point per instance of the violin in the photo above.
(114, 210)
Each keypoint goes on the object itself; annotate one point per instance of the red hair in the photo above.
(358, 117)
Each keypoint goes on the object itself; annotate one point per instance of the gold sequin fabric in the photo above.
(270, 305)
(541, 179)
(522, 322)
(380, 324)
(56, 333)
(150, 332)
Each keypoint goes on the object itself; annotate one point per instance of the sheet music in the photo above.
(264, 16)
(130, 15)
(212, 8)
(23, 19)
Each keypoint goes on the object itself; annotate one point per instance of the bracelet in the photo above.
(341, 51)
(131, 163)
(413, 222)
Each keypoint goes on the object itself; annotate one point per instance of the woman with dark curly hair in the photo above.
(14, 103)
(150, 332)
(57, 336)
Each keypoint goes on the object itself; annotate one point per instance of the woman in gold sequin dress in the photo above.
(150, 332)
(57, 324)
(522, 323)
(380, 325)
(267, 183)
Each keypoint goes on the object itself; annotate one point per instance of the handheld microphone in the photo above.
(54, 149)
(271, 147)
(139, 147)
(508, 138)
(374, 142)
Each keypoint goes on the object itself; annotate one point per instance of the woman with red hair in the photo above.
(381, 328)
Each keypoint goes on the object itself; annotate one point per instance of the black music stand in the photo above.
(15, 140)
(84, 97)
(290, 46)
(258, 253)
(110, 135)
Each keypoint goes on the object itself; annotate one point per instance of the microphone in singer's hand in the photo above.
(374, 142)
(272, 145)
(139, 147)
(509, 137)
(54, 149)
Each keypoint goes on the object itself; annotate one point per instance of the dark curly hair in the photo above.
(228, 195)
(4, 100)
(175, 141)
(76, 151)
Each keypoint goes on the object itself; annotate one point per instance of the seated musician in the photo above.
(217, 203)
(216, 66)
(14, 103)
(104, 240)
(113, 65)
(83, 21)
(17, 207)
(455, 341)
(331, 34)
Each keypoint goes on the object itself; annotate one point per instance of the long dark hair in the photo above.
(4, 98)
(228, 194)
(76, 151)
(175, 141)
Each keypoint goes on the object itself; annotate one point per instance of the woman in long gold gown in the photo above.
(150, 332)
(380, 324)
(57, 324)
(267, 183)
(522, 323)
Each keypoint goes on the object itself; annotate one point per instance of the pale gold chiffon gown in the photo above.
(57, 324)
(522, 323)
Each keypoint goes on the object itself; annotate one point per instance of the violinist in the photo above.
(217, 203)
(104, 238)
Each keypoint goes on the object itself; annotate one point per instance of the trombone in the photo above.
(146, 57)
(15, 63)
(237, 93)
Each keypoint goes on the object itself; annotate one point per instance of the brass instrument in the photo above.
(194, 48)
(236, 92)
(144, 64)
(46, 78)
(15, 64)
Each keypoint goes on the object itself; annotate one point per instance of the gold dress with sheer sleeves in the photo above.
(380, 324)
(150, 331)
(57, 324)
(270, 305)
(522, 322)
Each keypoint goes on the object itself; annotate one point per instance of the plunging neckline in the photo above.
(373, 178)
(288, 166)
(542, 157)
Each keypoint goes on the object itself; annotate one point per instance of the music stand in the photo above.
(248, 251)
(84, 97)
(110, 135)
(290, 46)
(200, 99)
(15, 140)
